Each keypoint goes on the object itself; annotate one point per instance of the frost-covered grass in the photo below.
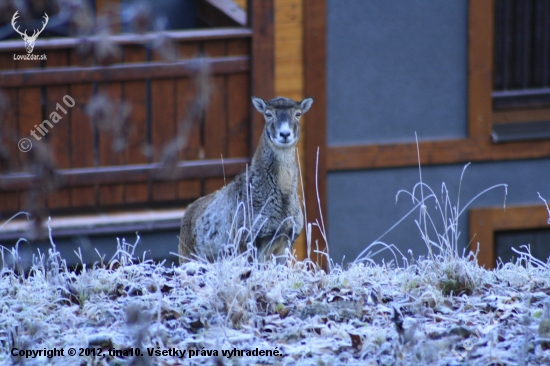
(441, 309)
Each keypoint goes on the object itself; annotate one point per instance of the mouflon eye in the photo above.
(298, 114)
(268, 115)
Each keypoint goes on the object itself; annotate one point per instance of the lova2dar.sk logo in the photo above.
(29, 40)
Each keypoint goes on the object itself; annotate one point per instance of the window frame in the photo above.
(478, 145)
(486, 221)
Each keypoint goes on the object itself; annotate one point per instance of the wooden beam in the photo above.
(120, 72)
(484, 222)
(100, 223)
(315, 120)
(432, 153)
(480, 67)
(112, 9)
(482, 233)
(260, 19)
(137, 39)
(521, 115)
(131, 173)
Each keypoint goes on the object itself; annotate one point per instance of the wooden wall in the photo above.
(289, 55)
(159, 95)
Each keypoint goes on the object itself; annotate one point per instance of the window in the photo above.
(521, 82)
(538, 241)
(497, 230)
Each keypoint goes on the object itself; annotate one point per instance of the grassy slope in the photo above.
(439, 310)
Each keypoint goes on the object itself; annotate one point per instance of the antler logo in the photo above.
(29, 41)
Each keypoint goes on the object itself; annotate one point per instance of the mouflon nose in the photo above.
(284, 134)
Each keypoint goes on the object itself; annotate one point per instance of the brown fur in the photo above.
(261, 205)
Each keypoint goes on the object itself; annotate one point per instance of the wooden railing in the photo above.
(91, 168)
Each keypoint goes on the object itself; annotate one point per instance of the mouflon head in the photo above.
(282, 118)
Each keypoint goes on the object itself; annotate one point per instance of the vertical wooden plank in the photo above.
(315, 119)
(189, 49)
(238, 47)
(112, 9)
(82, 140)
(289, 68)
(480, 65)
(59, 134)
(238, 104)
(135, 93)
(7, 62)
(110, 194)
(163, 129)
(482, 232)
(82, 143)
(186, 92)
(546, 45)
(289, 49)
(29, 114)
(11, 129)
(261, 16)
(100, 5)
(215, 121)
(9, 200)
(191, 188)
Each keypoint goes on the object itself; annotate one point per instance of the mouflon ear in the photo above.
(259, 103)
(305, 104)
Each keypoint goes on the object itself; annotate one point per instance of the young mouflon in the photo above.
(261, 205)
